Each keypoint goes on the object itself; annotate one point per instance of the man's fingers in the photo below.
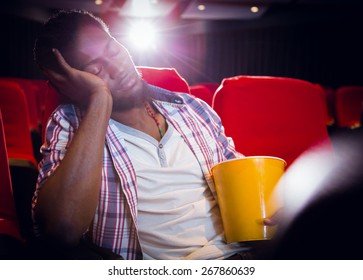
(62, 62)
(269, 222)
(275, 219)
(56, 76)
(53, 76)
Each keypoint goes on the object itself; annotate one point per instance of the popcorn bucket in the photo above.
(246, 195)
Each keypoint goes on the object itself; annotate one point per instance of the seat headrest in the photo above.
(166, 78)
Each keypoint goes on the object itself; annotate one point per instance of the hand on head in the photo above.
(76, 85)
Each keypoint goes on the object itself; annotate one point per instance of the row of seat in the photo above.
(35, 92)
(341, 107)
(18, 127)
(281, 116)
(264, 115)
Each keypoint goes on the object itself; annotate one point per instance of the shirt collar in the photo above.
(164, 95)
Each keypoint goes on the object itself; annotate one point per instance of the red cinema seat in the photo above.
(329, 117)
(167, 78)
(23, 165)
(211, 86)
(41, 92)
(204, 92)
(8, 218)
(30, 91)
(330, 100)
(271, 116)
(16, 123)
(33, 90)
(11, 241)
(348, 106)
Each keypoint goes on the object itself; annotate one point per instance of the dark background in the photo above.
(320, 42)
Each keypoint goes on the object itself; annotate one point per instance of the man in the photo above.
(125, 164)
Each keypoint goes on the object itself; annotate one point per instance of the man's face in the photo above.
(100, 54)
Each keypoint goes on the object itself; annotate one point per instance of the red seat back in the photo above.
(167, 78)
(271, 116)
(8, 217)
(211, 86)
(204, 92)
(348, 106)
(31, 92)
(42, 89)
(329, 116)
(16, 123)
(330, 100)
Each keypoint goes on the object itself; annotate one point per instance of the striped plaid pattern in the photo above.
(115, 223)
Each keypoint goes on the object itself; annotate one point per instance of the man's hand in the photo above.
(275, 219)
(76, 85)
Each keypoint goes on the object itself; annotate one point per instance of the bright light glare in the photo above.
(201, 7)
(143, 35)
(254, 9)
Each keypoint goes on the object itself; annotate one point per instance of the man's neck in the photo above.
(150, 122)
(134, 117)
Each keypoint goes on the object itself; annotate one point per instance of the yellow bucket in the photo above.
(246, 195)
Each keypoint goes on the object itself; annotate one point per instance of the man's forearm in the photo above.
(67, 201)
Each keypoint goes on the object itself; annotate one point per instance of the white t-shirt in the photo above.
(178, 217)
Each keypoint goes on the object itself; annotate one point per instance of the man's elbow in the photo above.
(64, 234)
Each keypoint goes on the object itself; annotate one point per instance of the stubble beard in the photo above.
(131, 101)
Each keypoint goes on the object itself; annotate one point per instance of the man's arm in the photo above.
(68, 199)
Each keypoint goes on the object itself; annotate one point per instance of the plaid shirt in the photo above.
(114, 225)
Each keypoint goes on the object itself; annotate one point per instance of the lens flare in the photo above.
(143, 35)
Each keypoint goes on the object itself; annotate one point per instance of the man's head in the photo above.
(61, 31)
(86, 44)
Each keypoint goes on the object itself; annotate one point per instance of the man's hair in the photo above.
(59, 32)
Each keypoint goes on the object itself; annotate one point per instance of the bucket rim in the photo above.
(249, 157)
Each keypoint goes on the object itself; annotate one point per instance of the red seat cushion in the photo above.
(204, 92)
